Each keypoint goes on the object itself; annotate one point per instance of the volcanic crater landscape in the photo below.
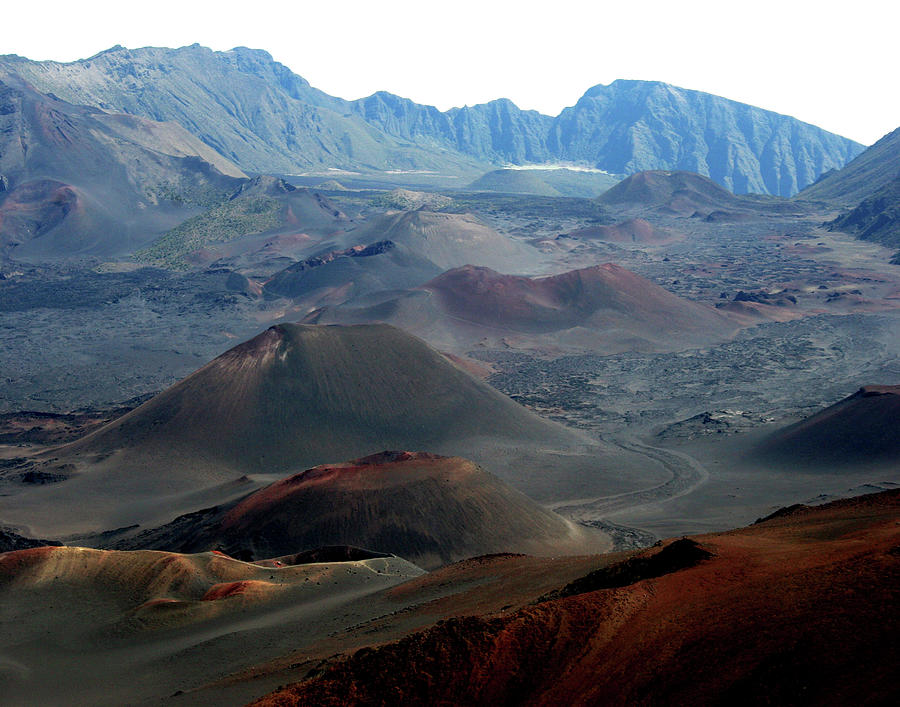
(308, 401)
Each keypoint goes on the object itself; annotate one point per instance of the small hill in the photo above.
(681, 192)
(636, 231)
(579, 183)
(604, 307)
(331, 185)
(129, 601)
(292, 397)
(862, 177)
(448, 240)
(551, 181)
(429, 509)
(600, 296)
(513, 181)
(334, 277)
(260, 205)
(298, 395)
(860, 430)
(408, 200)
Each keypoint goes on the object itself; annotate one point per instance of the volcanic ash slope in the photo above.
(293, 397)
(427, 508)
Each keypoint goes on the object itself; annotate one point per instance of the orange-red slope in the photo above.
(602, 296)
(804, 608)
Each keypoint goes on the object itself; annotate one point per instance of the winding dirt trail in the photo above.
(687, 474)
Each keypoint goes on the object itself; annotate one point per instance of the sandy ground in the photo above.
(715, 486)
(147, 631)
(94, 608)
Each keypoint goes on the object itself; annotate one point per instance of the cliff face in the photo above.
(264, 117)
(876, 218)
(631, 126)
(866, 174)
(870, 187)
(242, 103)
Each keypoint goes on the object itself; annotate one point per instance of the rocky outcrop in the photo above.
(358, 251)
(876, 218)
(11, 541)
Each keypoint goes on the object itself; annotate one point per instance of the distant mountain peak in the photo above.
(264, 117)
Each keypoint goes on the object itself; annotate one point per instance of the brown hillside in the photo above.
(298, 395)
(800, 609)
(859, 430)
(682, 192)
(633, 231)
(426, 508)
(293, 397)
(604, 307)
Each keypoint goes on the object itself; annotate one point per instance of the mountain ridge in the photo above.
(257, 112)
(83, 180)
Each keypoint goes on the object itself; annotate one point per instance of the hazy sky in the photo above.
(833, 64)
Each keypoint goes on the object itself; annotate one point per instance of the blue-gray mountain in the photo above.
(80, 181)
(243, 104)
(631, 126)
(871, 171)
(870, 185)
(258, 113)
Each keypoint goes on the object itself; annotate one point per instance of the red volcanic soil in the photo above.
(603, 308)
(369, 473)
(861, 429)
(634, 231)
(677, 191)
(799, 609)
(35, 207)
(425, 508)
(11, 563)
(230, 589)
(599, 296)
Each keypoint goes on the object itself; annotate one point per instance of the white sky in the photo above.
(833, 64)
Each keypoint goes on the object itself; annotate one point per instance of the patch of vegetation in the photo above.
(529, 206)
(408, 200)
(223, 223)
(204, 195)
